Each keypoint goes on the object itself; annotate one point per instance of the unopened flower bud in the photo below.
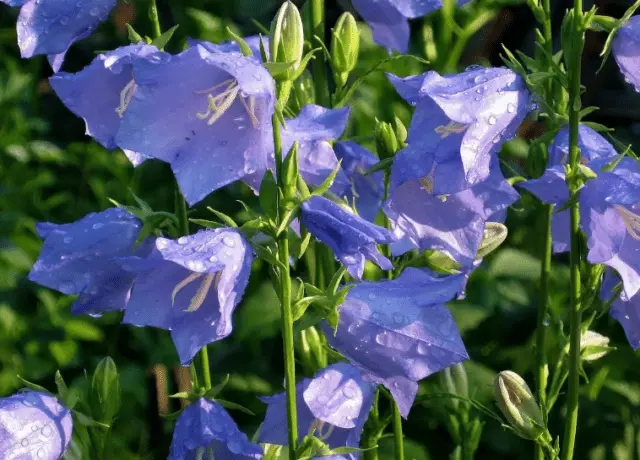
(345, 46)
(386, 141)
(287, 36)
(105, 391)
(515, 400)
(592, 346)
(454, 380)
(494, 235)
(303, 92)
(401, 131)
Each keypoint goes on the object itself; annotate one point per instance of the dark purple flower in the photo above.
(206, 113)
(451, 223)
(191, 287)
(100, 92)
(609, 204)
(51, 27)
(626, 50)
(79, 258)
(313, 128)
(465, 116)
(205, 430)
(351, 238)
(33, 425)
(366, 191)
(388, 19)
(334, 405)
(399, 331)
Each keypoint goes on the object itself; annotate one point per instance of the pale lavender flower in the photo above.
(626, 51)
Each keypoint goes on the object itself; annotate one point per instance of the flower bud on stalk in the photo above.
(345, 46)
(515, 400)
(287, 38)
(454, 380)
(494, 235)
(593, 346)
(386, 141)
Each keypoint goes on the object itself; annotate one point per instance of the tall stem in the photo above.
(155, 20)
(571, 422)
(318, 69)
(206, 370)
(284, 278)
(397, 432)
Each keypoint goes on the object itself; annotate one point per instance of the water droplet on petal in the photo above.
(95, 11)
(371, 296)
(492, 120)
(511, 108)
(183, 240)
(41, 453)
(24, 442)
(228, 241)
(46, 431)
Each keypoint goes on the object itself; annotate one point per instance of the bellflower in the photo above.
(190, 286)
(207, 113)
(51, 27)
(334, 405)
(608, 204)
(351, 238)
(232, 46)
(388, 19)
(623, 309)
(79, 258)
(366, 191)
(467, 116)
(399, 331)
(626, 51)
(313, 128)
(34, 425)
(451, 223)
(99, 92)
(205, 430)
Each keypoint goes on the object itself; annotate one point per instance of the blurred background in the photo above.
(50, 171)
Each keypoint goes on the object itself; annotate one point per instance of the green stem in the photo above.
(155, 20)
(318, 69)
(284, 289)
(397, 433)
(206, 370)
(571, 422)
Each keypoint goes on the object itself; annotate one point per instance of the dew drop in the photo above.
(24, 442)
(371, 296)
(349, 392)
(423, 348)
(46, 431)
(94, 11)
(213, 258)
(228, 241)
(511, 108)
(41, 453)
(64, 20)
(492, 120)
(183, 240)
(96, 226)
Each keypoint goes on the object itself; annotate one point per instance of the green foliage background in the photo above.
(49, 170)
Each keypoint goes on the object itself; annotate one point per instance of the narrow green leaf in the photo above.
(223, 217)
(161, 41)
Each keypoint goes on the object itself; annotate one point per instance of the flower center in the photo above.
(452, 127)
(428, 182)
(219, 104)
(125, 97)
(201, 294)
(200, 451)
(631, 221)
(322, 430)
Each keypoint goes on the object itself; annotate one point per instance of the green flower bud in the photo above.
(593, 346)
(515, 400)
(401, 131)
(494, 235)
(386, 141)
(302, 92)
(454, 380)
(287, 37)
(105, 391)
(345, 45)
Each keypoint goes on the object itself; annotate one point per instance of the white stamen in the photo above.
(200, 453)
(210, 453)
(182, 284)
(324, 430)
(631, 221)
(452, 127)
(218, 105)
(125, 97)
(428, 182)
(201, 294)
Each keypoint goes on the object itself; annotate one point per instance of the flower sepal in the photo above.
(313, 447)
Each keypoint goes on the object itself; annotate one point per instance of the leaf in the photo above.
(269, 195)
(380, 166)
(244, 46)
(223, 217)
(134, 37)
(232, 405)
(328, 182)
(33, 386)
(161, 41)
(206, 223)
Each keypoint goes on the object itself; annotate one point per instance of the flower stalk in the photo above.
(318, 69)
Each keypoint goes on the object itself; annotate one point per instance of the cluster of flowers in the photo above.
(207, 112)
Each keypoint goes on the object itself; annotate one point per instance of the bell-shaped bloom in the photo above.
(206, 113)
(34, 425)
(190, 286)
(365, 191)
(231, 45)
(80, 258)
(388, 19)
(626, 51)
(399, 331)
(205, 430)
(351, 238)
(313, 128)
(334, 406)
(609, 205)
(51, 27)
(625, 310)
(99, 93)
(467, 115)
(451, 223)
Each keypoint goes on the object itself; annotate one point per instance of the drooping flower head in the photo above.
(351, 238)
(626, 51)
(100, 92)
(399, 331)
(206, 113)
(80, 258)
(51, 27)
(34, 425)
(388, 19)
(365, 191)
(609, 205)
(467, 116)
(334, 406)
(205, 431)
(625, 310)
(452, 223)
(190, 286)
